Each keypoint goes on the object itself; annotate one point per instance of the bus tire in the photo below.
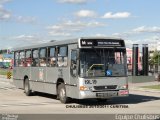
(27, 87)
(62, 94)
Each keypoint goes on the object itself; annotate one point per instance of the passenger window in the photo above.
(22, 59)
(51, 52)
(62, 51)
(51, 57)
(43, 61)
(43, 53)
(16, 63)
(62, 56)
(35, 61)
(28, 58)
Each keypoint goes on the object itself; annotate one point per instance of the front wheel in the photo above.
(27, 90)
(62, 93)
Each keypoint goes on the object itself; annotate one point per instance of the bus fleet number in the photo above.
(90, 81)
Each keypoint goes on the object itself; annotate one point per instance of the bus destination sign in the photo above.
(111, 43)
(101, 43)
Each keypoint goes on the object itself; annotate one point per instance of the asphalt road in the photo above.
(14, 101)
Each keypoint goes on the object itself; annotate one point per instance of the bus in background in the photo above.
(78, 68)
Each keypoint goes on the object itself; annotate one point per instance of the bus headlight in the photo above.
(123, 87)
(83, 88)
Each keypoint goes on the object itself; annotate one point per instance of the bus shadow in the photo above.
(46, 95)
(131, 99)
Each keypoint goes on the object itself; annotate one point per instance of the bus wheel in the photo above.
(62, 94)
(27, 87)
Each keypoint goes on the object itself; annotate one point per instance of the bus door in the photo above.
(74, 73)
(38, 71)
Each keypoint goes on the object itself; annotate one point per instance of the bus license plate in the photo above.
(105, 95)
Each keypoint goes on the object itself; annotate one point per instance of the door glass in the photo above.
(74, 63)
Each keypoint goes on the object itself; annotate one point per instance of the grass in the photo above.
(3, 71)
(152, 87)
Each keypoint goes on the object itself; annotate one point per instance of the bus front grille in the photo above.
(107, 87)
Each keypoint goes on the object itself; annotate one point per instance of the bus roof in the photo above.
(61, 42)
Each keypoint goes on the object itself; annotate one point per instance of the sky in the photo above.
(27, 22)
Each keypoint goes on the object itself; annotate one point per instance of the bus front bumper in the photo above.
(103, 94)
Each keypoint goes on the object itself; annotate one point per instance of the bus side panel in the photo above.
(51, 79)
(50, 88)
(37, 79)
(18, 74)
(37, 86)
(53, 74)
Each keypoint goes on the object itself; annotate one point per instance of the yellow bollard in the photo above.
(9, 74)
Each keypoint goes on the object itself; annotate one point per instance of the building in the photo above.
(6, 59)
(129, 60)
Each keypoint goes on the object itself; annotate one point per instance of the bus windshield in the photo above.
(102, 62)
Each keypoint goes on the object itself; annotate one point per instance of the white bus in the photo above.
(78, 68)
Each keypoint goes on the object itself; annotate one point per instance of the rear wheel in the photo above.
(62, 93)
(27, 90)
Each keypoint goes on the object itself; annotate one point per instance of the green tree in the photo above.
(155, 59)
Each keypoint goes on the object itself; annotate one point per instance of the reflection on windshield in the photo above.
(102, 62)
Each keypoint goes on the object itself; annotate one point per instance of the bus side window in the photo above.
(43, 61)
(35, 61)
(62, 56)
(22, 59)
(28, 58)
(51, 57)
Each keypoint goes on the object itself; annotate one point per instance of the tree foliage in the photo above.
(155, 59)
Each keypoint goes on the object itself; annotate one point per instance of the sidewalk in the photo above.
(3, 76)
(138, 86)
